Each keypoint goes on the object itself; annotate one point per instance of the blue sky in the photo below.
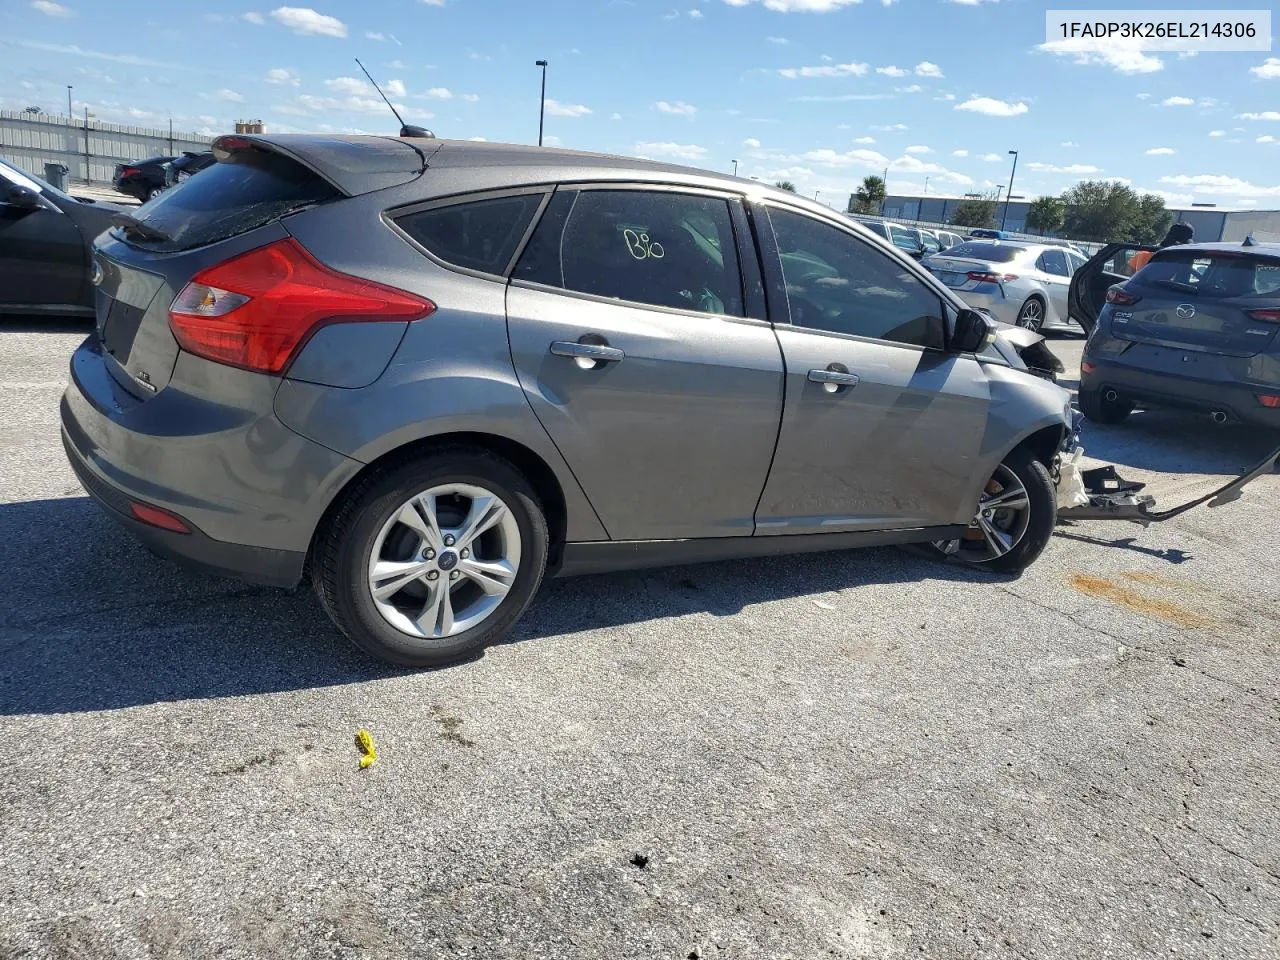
(821, 92)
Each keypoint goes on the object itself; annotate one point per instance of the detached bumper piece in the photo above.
(1111, 497)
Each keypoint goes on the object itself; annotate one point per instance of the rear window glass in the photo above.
(479, 235)
(1213, 277)
(990, 252)
(230, 199)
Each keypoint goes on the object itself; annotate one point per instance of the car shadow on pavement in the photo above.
(92, 621)
(1172, 441)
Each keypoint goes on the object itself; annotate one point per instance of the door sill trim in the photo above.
(608, 556)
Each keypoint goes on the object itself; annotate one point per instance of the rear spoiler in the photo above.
(351, 165)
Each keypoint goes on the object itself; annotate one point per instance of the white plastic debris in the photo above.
(1071, 489)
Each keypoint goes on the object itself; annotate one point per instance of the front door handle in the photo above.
(591, 352)
(833, 380)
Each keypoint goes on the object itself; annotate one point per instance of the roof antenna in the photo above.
(405, 129)
(1249, 241)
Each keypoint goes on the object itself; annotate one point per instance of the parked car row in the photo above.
(144, 179)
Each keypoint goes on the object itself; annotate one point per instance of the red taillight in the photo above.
(255, 310)
(1119, 295)
(1087, 367)
(1268, 316)
(982, 277)
(155, 517)
(128, 171)
(1269, 400)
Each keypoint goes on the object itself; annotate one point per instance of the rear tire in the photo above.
(424, 622)
(1012, 538)
(1099, 409)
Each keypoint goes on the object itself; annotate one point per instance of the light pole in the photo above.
(1008, 192)
(815, 195)
(735, 168)
(69, 113)
(920, 212)
(542, 106)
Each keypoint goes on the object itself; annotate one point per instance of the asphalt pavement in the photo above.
(857, 754)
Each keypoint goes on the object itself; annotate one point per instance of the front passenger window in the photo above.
(837, 282)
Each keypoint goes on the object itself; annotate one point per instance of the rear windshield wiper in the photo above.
(129, 224)
(1179, 285)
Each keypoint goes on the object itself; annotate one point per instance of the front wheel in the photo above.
(433, 560)
(1031, 316)
(1014, 520)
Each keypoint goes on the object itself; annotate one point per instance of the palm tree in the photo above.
(1046, 214)
(869, 198)
(786, 185)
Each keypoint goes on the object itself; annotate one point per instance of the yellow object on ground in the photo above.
(368, 752)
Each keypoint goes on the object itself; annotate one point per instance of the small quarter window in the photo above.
(478, 235)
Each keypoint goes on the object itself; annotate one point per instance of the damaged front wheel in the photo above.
(1014, 520)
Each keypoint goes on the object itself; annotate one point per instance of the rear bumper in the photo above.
(1152, 388)
(252, 490)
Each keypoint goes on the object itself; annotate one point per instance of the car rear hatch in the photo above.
(236, 205)
(1224, 303)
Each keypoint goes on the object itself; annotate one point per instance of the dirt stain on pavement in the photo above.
(1127, 597)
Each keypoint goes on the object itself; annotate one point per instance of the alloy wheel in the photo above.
(1032, 315)
(444, 561)
(1004, 512)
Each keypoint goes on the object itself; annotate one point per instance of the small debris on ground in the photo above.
(368, 752)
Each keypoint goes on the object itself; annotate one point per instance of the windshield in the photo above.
(229, 199)
(990, 252)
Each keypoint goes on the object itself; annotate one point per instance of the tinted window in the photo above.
(230, 199)
(663, 249)
(904, 238)
(984, 250)
(480, 235)
(1076, 262)
(836, 282)
(1055, 262)
(1212, 277)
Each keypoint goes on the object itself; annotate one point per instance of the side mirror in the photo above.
(973, 332)
(23, 198)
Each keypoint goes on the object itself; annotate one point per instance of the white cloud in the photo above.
(869, 159)
(381, 37)
(946, 97)
(306, 22)
(350, 86)
(971, 3)
(926, 69)
(683, 151)
(1121, 56)
(914, 88)
(1068, 143)
(959, 153)
(557, 109)
(1269, 69)
(843, 97)
(1077, 169)
(1221, 185)
(834, 70)
(695, 14)
(796, 6)
(751, 143)
(1161, 152)
(1265, 115)
(1177, 102)
(1266, 138)
(280, 77)
(434, 3)
(992, 107)
(252, 17)
(471, 97)
(354, 104)
(227, 96)
(865, 140)
(891, 127)
(992, 158)
(919, 148)
(779, 40)
(396, 88)
(1217, 133)
(444, 93)
(51, 9)
(679, 108)
(892, 71)
(1143, 96)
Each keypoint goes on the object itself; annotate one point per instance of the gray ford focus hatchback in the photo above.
(425, 374)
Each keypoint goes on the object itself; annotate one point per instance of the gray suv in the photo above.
(425, 374)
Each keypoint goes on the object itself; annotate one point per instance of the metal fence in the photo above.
(88, 148)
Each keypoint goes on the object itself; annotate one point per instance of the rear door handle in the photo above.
(587, 351)
(833, 380)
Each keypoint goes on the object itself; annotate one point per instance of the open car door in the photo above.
(1088, 292)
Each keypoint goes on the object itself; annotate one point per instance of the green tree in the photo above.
(976, 212)
(868, 198)
(786, 185)
(1152, 220)
(1046, 215)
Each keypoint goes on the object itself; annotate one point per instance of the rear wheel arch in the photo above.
(533, 467)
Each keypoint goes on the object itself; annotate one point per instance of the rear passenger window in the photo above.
(657, 248)
(479, 234)
(1055, 262)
